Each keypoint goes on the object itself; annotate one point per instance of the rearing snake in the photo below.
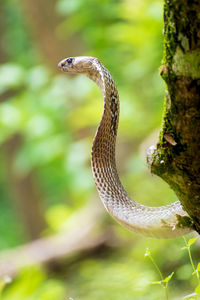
(159, 222)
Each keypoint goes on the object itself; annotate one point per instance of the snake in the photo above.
(157, 222)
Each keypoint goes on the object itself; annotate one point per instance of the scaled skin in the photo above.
(159, 222)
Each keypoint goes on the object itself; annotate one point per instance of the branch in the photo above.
(80, 234)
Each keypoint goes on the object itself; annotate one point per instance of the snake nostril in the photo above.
(61, 64)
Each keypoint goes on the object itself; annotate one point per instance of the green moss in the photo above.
(184, 221)
(173, 159)
(187, 64)
(169, 34)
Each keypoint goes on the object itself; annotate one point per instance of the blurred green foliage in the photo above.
(33, 284)
(57, 116)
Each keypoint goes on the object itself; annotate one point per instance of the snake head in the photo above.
(79, 64)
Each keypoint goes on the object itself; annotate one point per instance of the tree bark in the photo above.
(176, 158)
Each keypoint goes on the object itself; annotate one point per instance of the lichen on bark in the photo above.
(187, 64)
(176, 158)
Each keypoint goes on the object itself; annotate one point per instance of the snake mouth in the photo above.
(61, 65)
(64, 67)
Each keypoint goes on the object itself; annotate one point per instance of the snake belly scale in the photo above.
(159, 222)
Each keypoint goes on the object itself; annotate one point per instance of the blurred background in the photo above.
(56, 240)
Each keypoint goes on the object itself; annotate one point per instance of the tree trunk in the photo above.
(44, 27)
(176, 158)
(24, 191)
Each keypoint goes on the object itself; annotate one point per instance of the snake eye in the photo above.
(69, 60)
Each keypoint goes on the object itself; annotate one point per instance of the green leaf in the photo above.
(198, 267)
(195, 272)
(168, 278)
(191, 241)
(197, 290)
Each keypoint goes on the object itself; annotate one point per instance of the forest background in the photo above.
(48, 121)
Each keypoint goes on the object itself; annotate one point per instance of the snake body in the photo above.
(159, 222)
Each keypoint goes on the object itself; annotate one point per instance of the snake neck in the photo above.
(159, 222)
(103, 149)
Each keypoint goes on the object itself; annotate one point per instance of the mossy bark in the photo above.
(176, 158)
